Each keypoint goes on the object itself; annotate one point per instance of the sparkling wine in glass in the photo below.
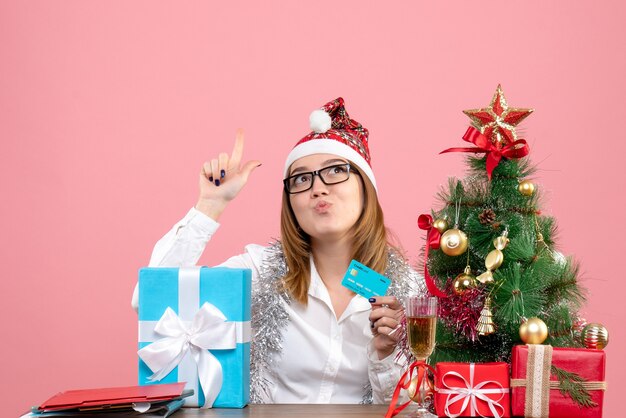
(422, 335)
(421, 320)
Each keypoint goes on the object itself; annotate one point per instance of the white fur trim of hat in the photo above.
(329, 146)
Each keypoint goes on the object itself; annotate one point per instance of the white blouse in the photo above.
(323, 359)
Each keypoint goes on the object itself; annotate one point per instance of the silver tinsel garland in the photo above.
(270, 318)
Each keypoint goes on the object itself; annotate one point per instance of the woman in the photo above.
(314, 340)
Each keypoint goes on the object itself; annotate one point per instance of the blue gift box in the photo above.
(185, 291)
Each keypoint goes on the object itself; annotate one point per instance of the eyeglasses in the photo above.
(334, 174)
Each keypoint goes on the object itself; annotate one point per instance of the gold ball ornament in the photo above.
(412, 390)
(526, 188)
(453, 242)
(533, 331)
(595, 336)
(422, 395)
(464, 281)
(440, 225)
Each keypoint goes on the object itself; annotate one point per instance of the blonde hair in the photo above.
(370, 242)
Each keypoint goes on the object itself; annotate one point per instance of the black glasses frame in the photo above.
(317, 173)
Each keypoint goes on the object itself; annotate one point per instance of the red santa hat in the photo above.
(335, 133)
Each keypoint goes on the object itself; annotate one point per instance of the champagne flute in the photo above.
(421, 320)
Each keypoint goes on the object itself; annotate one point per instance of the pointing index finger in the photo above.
(235, 158)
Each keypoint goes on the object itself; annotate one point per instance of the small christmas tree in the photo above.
(490, 252)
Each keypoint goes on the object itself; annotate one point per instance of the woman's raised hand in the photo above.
(222, 178)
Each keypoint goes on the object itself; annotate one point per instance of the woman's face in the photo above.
(326, 212)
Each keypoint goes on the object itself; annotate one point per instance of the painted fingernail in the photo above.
(211, 179)
(372, 300)
(222, 174)
(217, 182)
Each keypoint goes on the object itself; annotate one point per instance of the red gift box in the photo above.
(468, 389)
(535, 391)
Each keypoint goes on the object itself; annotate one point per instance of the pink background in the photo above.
(108, 109)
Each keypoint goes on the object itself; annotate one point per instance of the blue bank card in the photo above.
(364, 281)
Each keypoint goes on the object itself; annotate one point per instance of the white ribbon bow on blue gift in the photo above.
(208, 331)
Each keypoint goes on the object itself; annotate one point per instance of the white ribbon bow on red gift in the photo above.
(208, 331)
(470, 393)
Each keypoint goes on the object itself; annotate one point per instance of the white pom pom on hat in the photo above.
(334, 132)
(320, 121)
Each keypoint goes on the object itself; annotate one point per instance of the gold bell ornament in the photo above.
(526, 188)
(495, 258)
(533, 331)
(485, 324)
(595, 336)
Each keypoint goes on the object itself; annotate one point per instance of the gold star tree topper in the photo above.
(498, 121)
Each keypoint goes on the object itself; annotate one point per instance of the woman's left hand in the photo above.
(387, 312)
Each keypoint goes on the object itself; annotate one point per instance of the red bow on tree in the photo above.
(432, 241)
(517, 149)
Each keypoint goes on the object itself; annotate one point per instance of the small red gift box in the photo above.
(468, 389)
(535, 390)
